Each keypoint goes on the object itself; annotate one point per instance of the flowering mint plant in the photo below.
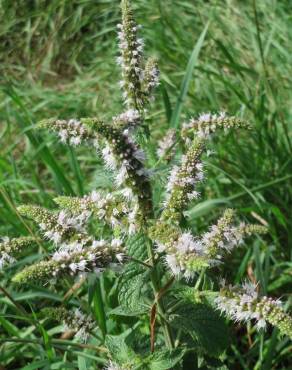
(163, 267)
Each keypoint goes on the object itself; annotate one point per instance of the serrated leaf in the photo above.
(137, 246)
(118, 347)
(204, 324)
(130, 287)
(164, 360)
(133, 281)
(120, 311)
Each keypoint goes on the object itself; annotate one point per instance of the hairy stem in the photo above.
(155, 285)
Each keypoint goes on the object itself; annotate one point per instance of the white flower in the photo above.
(129, 117)
(173, 264)
(109, 157)
(113, 366)
(127, 193)
(6, 259)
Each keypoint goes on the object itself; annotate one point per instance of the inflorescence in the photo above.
(243, 303)
(73, 320)
(109, 208)
(208, 123)
(138, 80)
(185, 254)
(74, 259)
(11, 248)
(181, 187)
(56, 227)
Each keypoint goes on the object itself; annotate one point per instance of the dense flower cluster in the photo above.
(182, 182)
(151, 77)
(121, 153)
(74, 259)
(166, 145)
(72, 131)
(56, 227)
(244, 304)
(137, 82)
(114, 366)
(128, 119)
(185, 255)
(109, 208)
(208, 123)
(73, 320)
(10, 248)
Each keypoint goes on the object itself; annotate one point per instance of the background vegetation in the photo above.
(57, 58)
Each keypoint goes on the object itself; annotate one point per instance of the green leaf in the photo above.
(137, 246)
(133, 282)
(131, 288)
(166, 359)
(118, 348)
(204, 324)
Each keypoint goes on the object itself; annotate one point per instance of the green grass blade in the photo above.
(40, 146)
(187, 79)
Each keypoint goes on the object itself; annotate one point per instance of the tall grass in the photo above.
(57, 58)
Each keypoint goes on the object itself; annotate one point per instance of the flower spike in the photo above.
(106, 207)
(138, 82)
(123, 154)
(72, 131)
(76, 258)
(73, 320)
(10, 248)
(182, 182)
(208, 123)
(56, 227)
(244, 304)
(185, 255)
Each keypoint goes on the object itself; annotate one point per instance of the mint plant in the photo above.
(164, 270)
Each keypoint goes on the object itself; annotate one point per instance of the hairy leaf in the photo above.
(130, 287)
(165, 359)
(204, 324)
(137, 246)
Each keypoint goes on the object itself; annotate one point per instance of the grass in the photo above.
(57, 59)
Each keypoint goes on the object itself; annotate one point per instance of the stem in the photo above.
(155, 285)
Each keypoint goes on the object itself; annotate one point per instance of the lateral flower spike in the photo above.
(181, 187)
(185, 254)
(109, 208)
(74, 259)
(243, 303)
(56, 227)
(11, 248)
(207, 124)
(70, 131)
(122, 154)
(73, 320)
